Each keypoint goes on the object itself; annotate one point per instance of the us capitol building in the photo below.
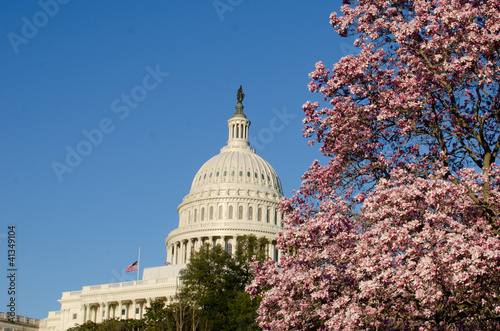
(234, 193)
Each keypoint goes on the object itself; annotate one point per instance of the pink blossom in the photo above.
(399, 229)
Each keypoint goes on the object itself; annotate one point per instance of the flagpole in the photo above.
(139, 263)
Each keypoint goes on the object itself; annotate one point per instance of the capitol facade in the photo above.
(235, 193)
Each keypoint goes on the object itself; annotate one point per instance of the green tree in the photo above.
(158, 317)
(251, 248)
(111, 325)
(214, 284)
(87, 326)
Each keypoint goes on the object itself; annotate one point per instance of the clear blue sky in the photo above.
(72, 73)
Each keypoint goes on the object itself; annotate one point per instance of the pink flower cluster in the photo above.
(400, 229)
(419, 255)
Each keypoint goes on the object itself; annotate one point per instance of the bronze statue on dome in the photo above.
(240, 95)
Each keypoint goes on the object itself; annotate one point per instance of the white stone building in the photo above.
(234, 193)
(18, 323)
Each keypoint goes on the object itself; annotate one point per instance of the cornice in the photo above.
(190, 232)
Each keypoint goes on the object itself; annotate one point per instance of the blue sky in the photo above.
(143, 89)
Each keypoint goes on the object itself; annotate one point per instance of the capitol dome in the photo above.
(236, 167)
(234, 193)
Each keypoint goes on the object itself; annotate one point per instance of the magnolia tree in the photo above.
(400, 229)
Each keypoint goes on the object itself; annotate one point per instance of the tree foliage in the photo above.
(214, 285)
(250, 249)
(112, 325)
(159, 317)
(400, 229)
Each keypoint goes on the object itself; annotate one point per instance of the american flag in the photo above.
(132, 267)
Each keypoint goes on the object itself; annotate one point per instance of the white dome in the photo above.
(235, 193)
(237, 167)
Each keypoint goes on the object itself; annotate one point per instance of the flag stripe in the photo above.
(132, 267)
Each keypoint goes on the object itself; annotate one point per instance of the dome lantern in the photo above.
(238, 125)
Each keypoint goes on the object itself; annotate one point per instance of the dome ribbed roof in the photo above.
(236, 166)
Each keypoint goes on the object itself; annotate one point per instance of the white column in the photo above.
(190, 245)
(181, 252)
(84, 311)
(89, 312)
(167, 260)
(184, 251)
(101, 312)
(108, 305)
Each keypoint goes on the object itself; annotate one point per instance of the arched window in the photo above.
(250, 213)
(240, 212)
(268, 215)
(275, 216)
(230, 216)
(211, 214)
(189, 217)
(229, 248)
(220, 212)
(259, 215)
(202, 216)
(195, 215)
